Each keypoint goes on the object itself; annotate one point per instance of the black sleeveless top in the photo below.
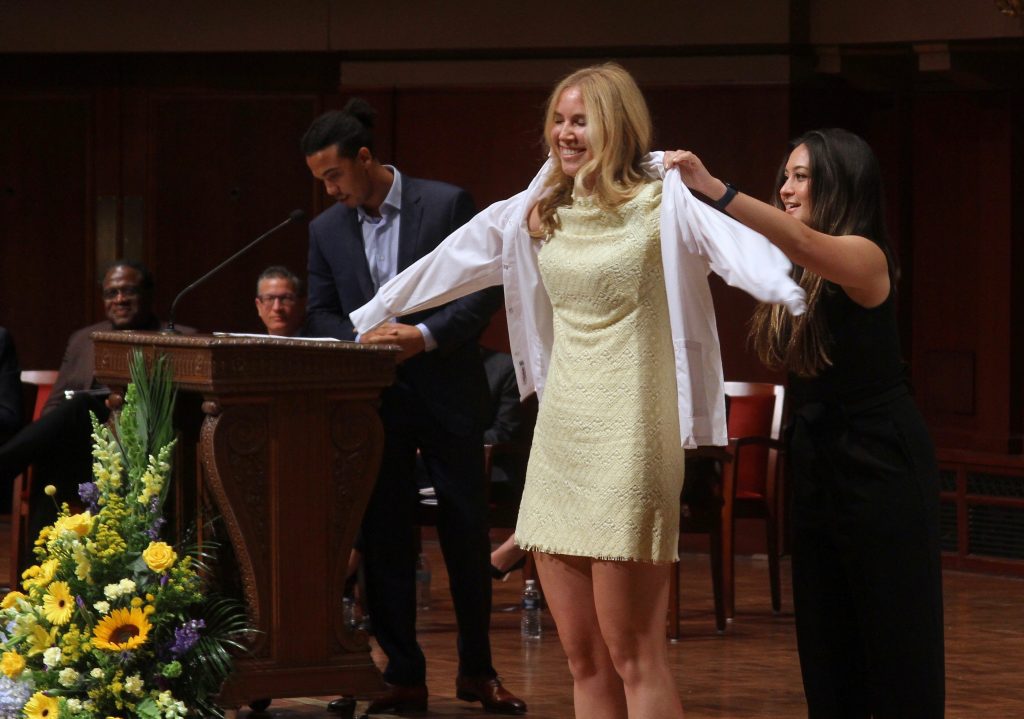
(864, 349)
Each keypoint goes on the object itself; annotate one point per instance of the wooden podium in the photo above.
(288, 445)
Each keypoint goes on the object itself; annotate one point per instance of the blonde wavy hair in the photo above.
(618, 134)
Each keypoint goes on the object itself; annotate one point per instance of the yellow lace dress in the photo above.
(606, 467)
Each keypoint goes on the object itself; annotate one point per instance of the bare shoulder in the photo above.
(861, 268)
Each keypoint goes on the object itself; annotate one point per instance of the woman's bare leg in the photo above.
(568, 589)
(631, 600)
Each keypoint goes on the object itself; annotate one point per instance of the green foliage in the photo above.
(112, 621)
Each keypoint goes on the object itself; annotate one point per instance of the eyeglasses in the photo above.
(129, 291)
(286, 299)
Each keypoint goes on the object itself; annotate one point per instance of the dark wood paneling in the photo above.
(224, 169)
(46, 266)
(485, 140)
(962, 267)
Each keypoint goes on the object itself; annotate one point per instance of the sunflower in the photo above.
(58, 603)
(121, 630)
(41, 706)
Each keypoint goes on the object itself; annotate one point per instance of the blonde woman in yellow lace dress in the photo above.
(601, 505)
(589, 255)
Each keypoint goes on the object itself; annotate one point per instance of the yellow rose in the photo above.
(80, 524)
(159, 556)
(10, 599)
(12, 664)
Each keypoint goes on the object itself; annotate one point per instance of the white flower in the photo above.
(51, 657)
(101, 606)
(134, 685)
(67, 677)
(122, 588)
(170, 707)
(96, 673)
(74, 705)
(24, 624)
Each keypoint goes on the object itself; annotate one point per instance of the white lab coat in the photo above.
(495, 248)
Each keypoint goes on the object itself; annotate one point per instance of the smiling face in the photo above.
(568, 131)
(796, 190)
(126, 302)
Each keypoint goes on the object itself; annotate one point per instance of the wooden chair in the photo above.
(36, 385)
(700, 512)
(751, 477)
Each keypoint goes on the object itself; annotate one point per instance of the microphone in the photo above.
(294, 216)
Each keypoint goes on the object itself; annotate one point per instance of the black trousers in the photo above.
(867, 579)
(59, 446)
(454, 464)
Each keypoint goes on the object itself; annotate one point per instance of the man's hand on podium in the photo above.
(408, 337)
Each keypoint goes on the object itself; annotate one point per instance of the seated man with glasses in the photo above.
(59, 443)
(281, 301)
(127, 291)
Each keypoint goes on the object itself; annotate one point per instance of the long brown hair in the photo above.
(618, 134)
(846, 199)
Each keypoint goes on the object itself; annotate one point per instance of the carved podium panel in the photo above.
(289, 446)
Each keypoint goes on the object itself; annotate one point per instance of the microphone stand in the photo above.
(295, 216)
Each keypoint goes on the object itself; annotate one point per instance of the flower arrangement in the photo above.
(112, 622)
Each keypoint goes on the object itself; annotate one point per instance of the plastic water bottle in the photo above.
(530, 623)
(422, 582)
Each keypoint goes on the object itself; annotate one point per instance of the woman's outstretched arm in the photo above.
(855, 263)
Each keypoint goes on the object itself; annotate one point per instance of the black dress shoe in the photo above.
(495, 698)
(503, 575)
(398, 699)
(345, 706)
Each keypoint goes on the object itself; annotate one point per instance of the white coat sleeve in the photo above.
(740, 256)
(467, 260)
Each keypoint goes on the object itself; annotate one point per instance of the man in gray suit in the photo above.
(384, 221)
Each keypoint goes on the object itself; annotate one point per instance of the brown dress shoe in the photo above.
(489, 692)
(398, 699)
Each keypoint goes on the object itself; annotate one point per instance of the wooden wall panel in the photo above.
(485, 140)
(962, 267)
(224, 169)
(46, 214)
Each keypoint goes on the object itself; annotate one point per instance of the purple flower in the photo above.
(80, 602)
(186, 636)
(90, 494)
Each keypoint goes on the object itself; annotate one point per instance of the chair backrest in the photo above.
(755, 410)
(42, 381)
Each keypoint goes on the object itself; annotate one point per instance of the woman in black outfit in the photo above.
(867, 581)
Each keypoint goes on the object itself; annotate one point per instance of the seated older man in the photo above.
(58, 444)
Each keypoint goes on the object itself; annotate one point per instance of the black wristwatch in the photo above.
(722, 202)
